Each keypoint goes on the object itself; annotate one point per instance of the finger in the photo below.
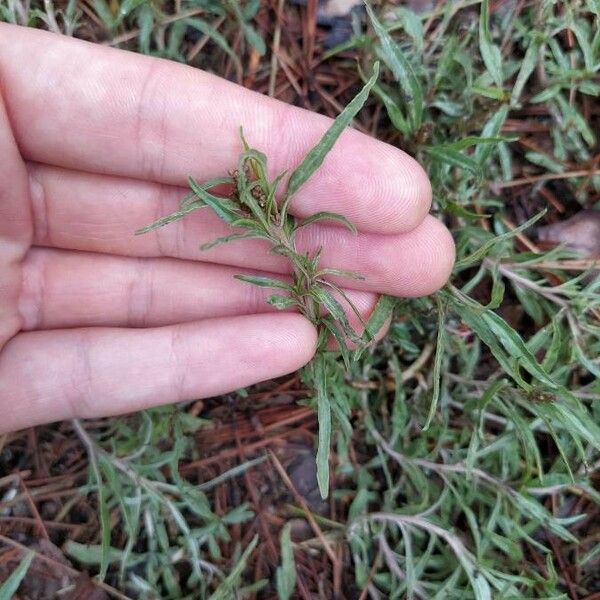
(103, 110)
(52, 375)
(16, 230)
(63, 289)
(89, 212)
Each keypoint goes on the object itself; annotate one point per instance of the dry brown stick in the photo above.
(197, 47)
(34, 510)
(32, 521)
(276, 43)
(130, 35)
(577, 264)
(372, 572)
(231, 453)
(307, 513)
(499, 185)
(521, 237)
(255, 501)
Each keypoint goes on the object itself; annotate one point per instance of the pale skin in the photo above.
(97, 142)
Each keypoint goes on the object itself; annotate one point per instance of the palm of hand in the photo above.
(96, 143)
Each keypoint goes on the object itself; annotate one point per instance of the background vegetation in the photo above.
(466, 445)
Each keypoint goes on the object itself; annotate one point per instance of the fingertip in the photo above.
(289, 341)
(380, 188)
(412, 264)
(400, 194)
(303, 339)
(439, 254)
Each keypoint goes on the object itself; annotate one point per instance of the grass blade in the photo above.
(402, 70)
(209, 31)
(224, 208)
(382, 313)
(228, 238)
(267, 282)
(453, 157)
(490, 53)
(327, 216)
(336, 311)
(176, 216)
(286, 573)
(228, 587)
(11, 585)
(437, 363)
(324, 417)
(527, 67)
(313, 160)
(483, 250)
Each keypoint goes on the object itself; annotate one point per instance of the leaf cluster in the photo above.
(254, 208)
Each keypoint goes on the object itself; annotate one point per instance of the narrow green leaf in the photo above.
(491, 130)
(382, 313)
(104, 514)
(539, 513)
(481, 252)
(336, 288)
(476, 140)
(191, 196)
(223, 207)
(285, 576)
(146, 21)
(209, 31)
(402, 70)
(472, 318)
(453, 157)
(339, 338)
(515, 347)
(313, 160)
(228, 238)
(399, 121)
(437, 363)
(490, 92)
(581, 31)
(227, 588)
(324, 418)
(528, 65)
(411, 23)
(341, 273)
(456, 209)
(267, 282)
(336, 311)
(254, 39)
(250, 9)
(327, 216)
(103, 11)
(11, 584)
(490, 53)
(281, 302)
(229, 474)
(176, 216)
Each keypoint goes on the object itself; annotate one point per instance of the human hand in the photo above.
(96, 143)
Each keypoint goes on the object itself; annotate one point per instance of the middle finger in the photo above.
(82, 211)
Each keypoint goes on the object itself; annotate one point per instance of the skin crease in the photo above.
(97, 142)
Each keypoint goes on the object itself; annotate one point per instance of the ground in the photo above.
(465, 457)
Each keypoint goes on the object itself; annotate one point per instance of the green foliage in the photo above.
(480, 408)
(286, 573)
(172, 519)
(11, 584)
(463, 448)
(254, 208)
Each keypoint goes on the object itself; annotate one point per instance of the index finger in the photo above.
(98, 109)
